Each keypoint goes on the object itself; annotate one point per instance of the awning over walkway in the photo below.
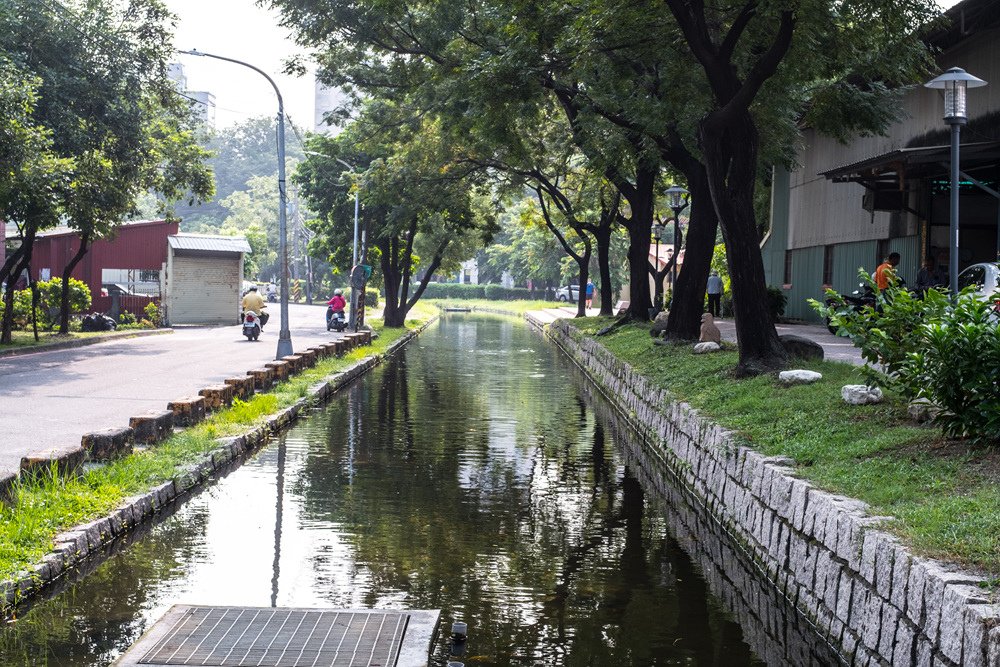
(898, 166)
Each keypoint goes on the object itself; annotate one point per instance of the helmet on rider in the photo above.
(253, 288)
(338, 292)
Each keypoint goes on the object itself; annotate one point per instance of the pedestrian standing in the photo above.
(590, 293)
(714, 289)
(885, 274)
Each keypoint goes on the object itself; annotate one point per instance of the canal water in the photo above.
(473, 473)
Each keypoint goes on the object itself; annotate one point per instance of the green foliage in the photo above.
(932, 348)
(152, 312)
(126, 318)
(49, 298)
(501, 293)
(454, 291)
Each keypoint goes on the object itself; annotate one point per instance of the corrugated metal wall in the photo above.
(909, 257)
(807, 282)
(847, 259)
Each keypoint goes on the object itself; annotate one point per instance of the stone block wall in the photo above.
(865, 593)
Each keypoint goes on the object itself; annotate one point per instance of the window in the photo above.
(788, 267)
(828, 265)
(149, 276)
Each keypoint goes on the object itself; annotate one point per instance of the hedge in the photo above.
(463, 291)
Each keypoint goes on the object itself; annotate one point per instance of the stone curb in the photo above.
(74, 546)
(83, 342)
(866, 593)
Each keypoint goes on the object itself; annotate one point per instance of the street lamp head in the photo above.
(657, 231)
(191, 52)
(955, 82)
(677, 197)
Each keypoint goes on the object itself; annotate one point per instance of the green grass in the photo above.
(514, 306)
(942, 503)
(22, 339)
(44, 507)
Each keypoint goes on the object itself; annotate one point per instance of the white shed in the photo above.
(203, 278)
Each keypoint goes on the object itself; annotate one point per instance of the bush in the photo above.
(372, 296)
(152, 312)
(126, 318)
(776, 301)
(929, 347)
(49, 302)
(501, 293)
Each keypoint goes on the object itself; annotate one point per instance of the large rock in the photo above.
(659, 324)
(922, 410)
(800, 347)
(789, 378)
(860, 394)
(705, 348)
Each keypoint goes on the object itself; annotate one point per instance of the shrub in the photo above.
(933, 348)
(776, 301)
(501, 293)
(152, 312)
(126, 318)
(49, 302)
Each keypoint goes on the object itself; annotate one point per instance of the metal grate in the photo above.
(264, 637)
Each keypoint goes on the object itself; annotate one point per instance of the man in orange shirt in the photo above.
(885, 274)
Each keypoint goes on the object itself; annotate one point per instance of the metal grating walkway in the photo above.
(267, 637)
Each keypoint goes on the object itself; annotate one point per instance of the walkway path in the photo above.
(52, 398)
(835, 348)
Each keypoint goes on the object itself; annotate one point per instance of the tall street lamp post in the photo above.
(677, 199)
(955, 83)
(658, 287)
(284, 336)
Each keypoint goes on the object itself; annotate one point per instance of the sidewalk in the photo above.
(835, 348)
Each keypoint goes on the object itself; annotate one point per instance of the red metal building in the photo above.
(131, 262)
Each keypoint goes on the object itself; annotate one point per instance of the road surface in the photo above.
(53, 398)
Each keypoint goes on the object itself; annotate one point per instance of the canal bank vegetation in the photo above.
(42, 508)
(509, 307)
(943, 495)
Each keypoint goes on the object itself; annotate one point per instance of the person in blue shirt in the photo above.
(590, 293)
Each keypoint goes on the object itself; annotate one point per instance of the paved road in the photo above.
(53, 398)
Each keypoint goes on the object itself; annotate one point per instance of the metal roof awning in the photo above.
(898, 166)
(207, 243)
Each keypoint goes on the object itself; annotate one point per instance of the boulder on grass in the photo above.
(705, 348)
(922, 410)
(800, 347)
(788, 378)
(659, 324)
(860, 394)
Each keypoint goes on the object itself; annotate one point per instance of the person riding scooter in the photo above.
(255, 302)
(335, 310)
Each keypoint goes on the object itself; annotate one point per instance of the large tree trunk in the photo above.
(688, 299)
(391, 279)
(602, 236)
(583, 261)
(67, 272)
(729, 144)
(21, 261)
(640, 227)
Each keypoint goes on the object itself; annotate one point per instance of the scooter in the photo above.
(856, 301)
(335, 319)
(251, 325)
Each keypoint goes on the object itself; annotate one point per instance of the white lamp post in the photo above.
(955, 83)
(284, 336)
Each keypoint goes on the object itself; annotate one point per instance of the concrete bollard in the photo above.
(188, 411)
(217, 396)
(320, 351)
(108, 444)
(282, 369)
(243, 388)
(152, 427)
(309, 358)
(263, 378)
(68, 460)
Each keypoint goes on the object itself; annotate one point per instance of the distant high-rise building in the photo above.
(327, 99)
(202, 101)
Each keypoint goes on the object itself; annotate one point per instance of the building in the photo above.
(195, 279)
(202, 102)
(847, 206)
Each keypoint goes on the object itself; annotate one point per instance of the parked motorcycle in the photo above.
(251, 325)
(855, 301)
(335, 319)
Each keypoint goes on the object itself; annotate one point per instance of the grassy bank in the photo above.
(42, 509)
(944, 495)
(514, 306)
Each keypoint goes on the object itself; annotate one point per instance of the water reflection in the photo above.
(469, 474)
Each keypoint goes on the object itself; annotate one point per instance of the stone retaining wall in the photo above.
(864, 592)
(74, 548)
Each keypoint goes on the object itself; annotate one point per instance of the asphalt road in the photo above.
(54, 398)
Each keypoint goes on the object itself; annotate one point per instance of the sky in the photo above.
(241, 30)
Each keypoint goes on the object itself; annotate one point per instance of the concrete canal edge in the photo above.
(864, 592)
(73, 547)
